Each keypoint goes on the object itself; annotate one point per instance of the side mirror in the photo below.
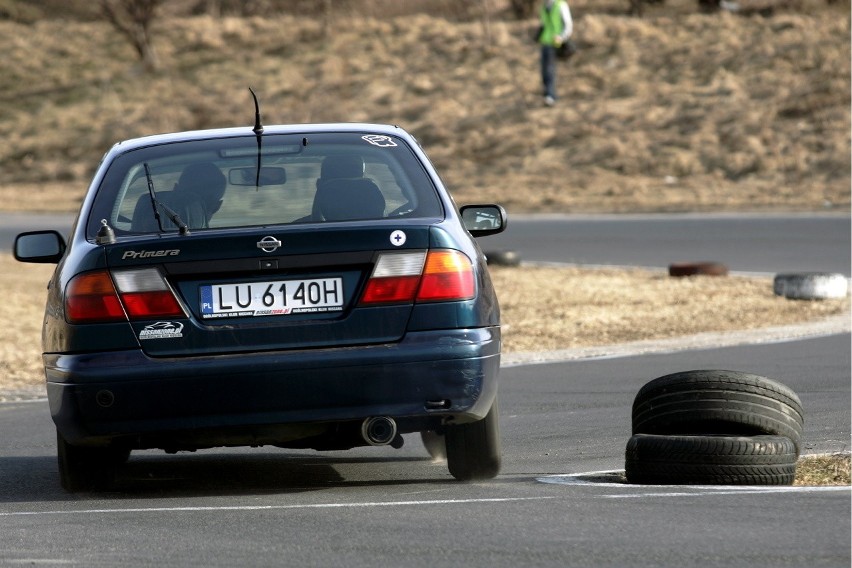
(484, 220)
(269, 175)
(39, 247)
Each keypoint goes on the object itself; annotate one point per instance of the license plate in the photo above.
(272, 298)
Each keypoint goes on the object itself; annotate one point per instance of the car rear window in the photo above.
(310, 178)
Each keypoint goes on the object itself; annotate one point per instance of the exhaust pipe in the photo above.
(378, 430)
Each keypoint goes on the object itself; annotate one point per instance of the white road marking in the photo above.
(37, 561)
(728, 490)
(271, 507)
(581, 479)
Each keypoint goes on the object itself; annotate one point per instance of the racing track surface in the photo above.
(802, 242)
(805, 242)
(379, 506)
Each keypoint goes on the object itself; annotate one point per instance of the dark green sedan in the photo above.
(308, 286)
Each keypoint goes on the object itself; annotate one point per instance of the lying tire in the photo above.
(718, 402)
(811, 286)
(698, 269)
(503, 258)
(473, 449)
(710, 460)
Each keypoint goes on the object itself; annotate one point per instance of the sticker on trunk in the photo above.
(162, 330)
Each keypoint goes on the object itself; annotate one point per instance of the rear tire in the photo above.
(473, 450)
(718, 402)
(82, 469)
(710, 460)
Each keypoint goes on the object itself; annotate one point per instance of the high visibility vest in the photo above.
(552, 25)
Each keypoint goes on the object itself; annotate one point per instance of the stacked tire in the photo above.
(714, 428)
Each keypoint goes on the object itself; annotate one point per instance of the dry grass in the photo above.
(24, 289)
(833, 469)
(678, 111)
(555, 308)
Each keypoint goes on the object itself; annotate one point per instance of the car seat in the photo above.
(349, 200)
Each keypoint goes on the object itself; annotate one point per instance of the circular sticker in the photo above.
(397, 238)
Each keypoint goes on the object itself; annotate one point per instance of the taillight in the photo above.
(92, 297)
(140, 294)
(145, 294)
(448, 275)
(440, 275)
(395, 278)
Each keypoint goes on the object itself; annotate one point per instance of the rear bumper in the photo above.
(97, 398)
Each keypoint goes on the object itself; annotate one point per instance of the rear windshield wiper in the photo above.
(183, 228)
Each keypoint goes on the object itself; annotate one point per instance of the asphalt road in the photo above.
(807, 242)
(378, 506)
(13, 223)
(557, 501)
(750, 243)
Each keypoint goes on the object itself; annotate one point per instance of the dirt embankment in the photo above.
(676, 111)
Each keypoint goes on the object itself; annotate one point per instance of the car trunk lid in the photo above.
(270, 289)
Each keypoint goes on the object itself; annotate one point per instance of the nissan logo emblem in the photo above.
(268, 244)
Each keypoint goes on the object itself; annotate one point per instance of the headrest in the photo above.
(345, 166)
(348, 200)
(202, 177)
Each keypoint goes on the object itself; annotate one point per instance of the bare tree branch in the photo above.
(133, 18)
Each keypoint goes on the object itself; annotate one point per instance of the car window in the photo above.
(231, 182)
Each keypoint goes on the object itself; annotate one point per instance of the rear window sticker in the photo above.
(379, 140)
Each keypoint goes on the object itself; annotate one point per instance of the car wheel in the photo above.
(473, 449)
(718, 402)
(710, 460)
(81, 468)
(810, 286)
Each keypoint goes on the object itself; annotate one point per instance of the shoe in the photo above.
(549, 101)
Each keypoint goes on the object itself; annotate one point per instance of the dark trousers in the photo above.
(548, 70)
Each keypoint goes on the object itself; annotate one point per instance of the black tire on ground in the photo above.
(698, 269)
(82, 469)
(718, 402)
(710, 460)
(473, 449)
(503, 258)
(811, 286)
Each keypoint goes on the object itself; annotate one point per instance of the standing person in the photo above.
(556, 28)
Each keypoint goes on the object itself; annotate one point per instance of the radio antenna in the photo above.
(258, 132)
(258, 127)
